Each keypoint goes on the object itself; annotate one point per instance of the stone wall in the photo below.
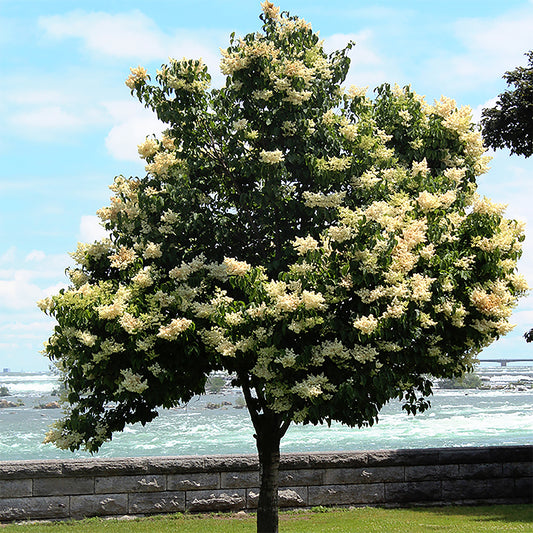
(142, 486)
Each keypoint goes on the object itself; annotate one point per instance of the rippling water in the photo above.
(457, 418)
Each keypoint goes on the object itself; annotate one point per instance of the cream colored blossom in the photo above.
(132, 382)
(143, 278)
(333, 199)
(364, 354)
(123, 258)
(428, 201)
(271, 158)
(152, 251)
(297, 97)
(287, 359)
(484, 206)
(455, 174)
(349, 132)
(313, 300)
(366, 324)
(339, 233)
(270, 10)
(148, 148)
(236, 268)
(87, 338)
(233, 62)
(405, 116)
(174, 329)
(138, 75)
(130, 323)
(263, 94)
(109, 312)
(357, 92)
(420, 167)
(286, 303)
(445, 106)
(421, 286)
(335, 164)
(45, 305)
(314, 386)
(240, 124)
(163, 161)
(305, 244)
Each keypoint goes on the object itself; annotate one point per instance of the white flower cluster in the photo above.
(174, 329)
(138, 75)
(305, 244)
(132, 382)
(333, 199)
(271, 158)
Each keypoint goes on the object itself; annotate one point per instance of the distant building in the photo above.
(5, 370)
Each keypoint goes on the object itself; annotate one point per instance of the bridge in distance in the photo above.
(504, 362)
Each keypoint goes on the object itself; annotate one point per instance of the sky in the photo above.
(68, 124)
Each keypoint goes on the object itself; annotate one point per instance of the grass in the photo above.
(477, 519)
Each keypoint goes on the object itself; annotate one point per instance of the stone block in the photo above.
(119, 484)
(176, 465)
(413, 492)
(30, 469)
(231, 463)
(293, 497)
(34, 508)
(475, 455)
(460, 490)
(303, 477)
(346, 494)
(381, 458)
(431, 472)
(291, 461)
(15, 488)
(511, 454)
(157, 502)
(215, 500)
(524, 489)
(193, 481)
(501, 488)
(337, 460)
(480, 471)
(106, 467)
(62, 486)
(517, 470)
(348, 476)
(240, 480)
(98, 505)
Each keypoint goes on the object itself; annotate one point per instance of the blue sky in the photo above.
(68, 124)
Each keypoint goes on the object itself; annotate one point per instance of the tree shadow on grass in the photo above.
(486, 513)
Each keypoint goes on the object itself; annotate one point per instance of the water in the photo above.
(457, 418)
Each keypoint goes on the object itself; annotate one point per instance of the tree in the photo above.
(327, 249)
(509, 124)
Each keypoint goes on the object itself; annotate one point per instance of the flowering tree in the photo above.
(327, 249)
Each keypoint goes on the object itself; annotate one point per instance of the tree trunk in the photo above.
(268, 440)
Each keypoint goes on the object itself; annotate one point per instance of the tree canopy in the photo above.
(509, 124)
(326, 248)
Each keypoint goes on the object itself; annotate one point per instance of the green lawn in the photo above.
(361, 520)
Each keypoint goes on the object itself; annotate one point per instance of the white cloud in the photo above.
(129, 35)
(132, 124)
(91, 230)
(69, 104)
(367, 66)
(135, 36)
(476, 112)
(491, 47)
(36, 255)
